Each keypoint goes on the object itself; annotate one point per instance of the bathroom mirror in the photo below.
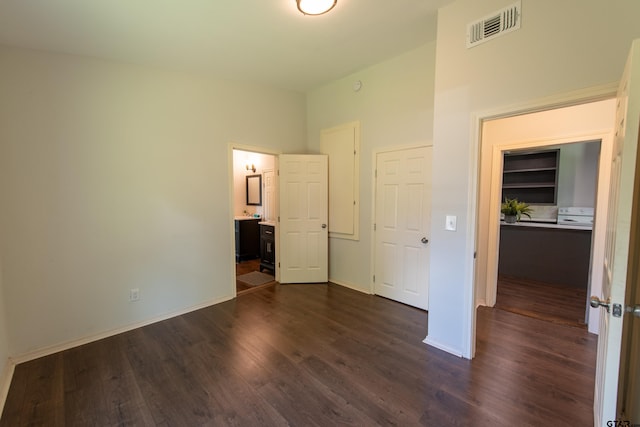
(254, 190)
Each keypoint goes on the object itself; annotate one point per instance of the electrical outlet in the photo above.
(134, 294)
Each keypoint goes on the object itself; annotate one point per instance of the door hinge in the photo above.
(375, 173)
(475, 254)
(278, 218)
(374, 278)
(278, 265)
(374, 226)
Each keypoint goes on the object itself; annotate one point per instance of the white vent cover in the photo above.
(494, 25)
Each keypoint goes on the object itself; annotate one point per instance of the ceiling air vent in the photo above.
(494, 25)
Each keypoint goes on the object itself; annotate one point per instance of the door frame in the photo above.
(253, 149)
(374, 158)
(592, 94)
(599, 227)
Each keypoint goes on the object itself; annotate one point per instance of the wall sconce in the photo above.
(315, 7)
(251, 167)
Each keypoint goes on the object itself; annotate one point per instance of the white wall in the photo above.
(394, 108)
(556, 51)
(114, 177)
(578, 173)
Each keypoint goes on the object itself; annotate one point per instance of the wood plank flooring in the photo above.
(559, 304)
(311, 355)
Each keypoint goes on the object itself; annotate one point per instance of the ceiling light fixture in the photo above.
(315, 7)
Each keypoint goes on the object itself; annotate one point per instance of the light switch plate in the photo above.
(450, 223)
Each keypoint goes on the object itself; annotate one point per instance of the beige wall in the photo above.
(554, 53)
(115, 177)
(395, 108)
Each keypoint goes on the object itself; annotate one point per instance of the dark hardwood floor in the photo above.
(565, 305)
(311, 355)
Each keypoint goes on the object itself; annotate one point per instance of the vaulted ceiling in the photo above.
(265, 41)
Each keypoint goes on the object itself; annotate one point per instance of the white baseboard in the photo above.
(350, 286)
(442, 347)
(46, 351)
(5, 382)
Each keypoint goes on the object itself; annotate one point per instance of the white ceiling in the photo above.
(266, 41)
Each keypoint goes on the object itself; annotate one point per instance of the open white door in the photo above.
(303, 218)
(618, 238)
(403, 217)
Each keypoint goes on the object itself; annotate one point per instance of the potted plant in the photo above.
(513, 210)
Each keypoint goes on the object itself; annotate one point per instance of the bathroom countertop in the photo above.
(271, 223)
(242, 218)
(546, 225)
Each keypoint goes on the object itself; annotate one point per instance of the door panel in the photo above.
(618, 240)
(402, 212)
(303, 218)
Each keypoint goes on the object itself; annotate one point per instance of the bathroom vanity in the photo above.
(247, 233)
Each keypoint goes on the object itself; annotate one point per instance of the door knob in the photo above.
(424, 240)
(324, 225)
(633, 309)
(596, 302)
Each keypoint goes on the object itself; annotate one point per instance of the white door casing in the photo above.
(303, 230)
(618, 239)
(402, 221)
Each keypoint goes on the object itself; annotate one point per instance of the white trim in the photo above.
(442, 347)
(374, 163)
(604, 136)
(355, 126)
(350, 286)
(5, 382)
(582, 96)
(568, 99)
(471, 243)
(46, 351)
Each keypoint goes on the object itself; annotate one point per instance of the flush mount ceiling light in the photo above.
(315, 7)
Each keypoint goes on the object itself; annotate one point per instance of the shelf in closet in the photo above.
(531, 177)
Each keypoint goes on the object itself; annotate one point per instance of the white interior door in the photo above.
(402, 218)
(616, 260)
(269, 195)
(303, 218)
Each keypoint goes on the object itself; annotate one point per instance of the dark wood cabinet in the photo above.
(267, 247)
(531, 177)
(247, 239)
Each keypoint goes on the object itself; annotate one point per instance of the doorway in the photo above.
(254, 216)
(544, 260)
(545, 129)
